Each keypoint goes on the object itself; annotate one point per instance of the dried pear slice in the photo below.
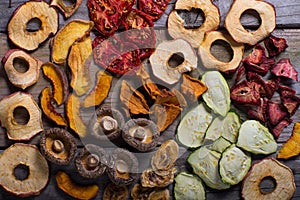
(291, 147)
(73, 31)
(79, 61)
(205, 164)
(256, 138)
(192, 128)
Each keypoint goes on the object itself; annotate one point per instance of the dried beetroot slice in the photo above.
(277, 130)
(275, 45)
(154, 8)
(284, 90)
(284, 68)
(291, 103)
(276, 112)
(258, 112)
(241, 72)
(243, 93)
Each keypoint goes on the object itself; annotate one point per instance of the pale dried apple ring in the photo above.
(15, 130)
(67, 10)
(28, 40)
(194, 36)
(21, 79)
(233, 24)
(211, 62)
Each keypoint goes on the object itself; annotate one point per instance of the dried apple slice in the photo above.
(32, 10)
(73, 31)
(67, 10)
(16, 130)
(59, 82)
(78, 61)
(48, 108)
(100, 91)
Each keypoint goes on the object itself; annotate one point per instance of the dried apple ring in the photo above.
(194, 36)
(30, 40)
(67, 10)
(233, 24)
(21, 79)
(209, 61)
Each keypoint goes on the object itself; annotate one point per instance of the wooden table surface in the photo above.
(288, 26)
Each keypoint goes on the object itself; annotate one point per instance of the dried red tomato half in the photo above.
(275, 45)
(140, 31)
(277, 130)
(154, 8)
(284, 68)
(244, 93)
(276, 112)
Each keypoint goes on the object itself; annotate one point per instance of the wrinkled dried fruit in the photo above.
(277, 130)
(141, 134)
(258, 112)
(65, 183)
(32, 10)
(155, 9)
(79, 61)
(115, 192)
(58, 146)
(59, 82)
(194, 36)
(291, 103)
(283, 176)
(139, 192)
(285, 91)
(73, 31)
(28, 157)
(14, 129)
(160, 60)
(48, 108)
(242, 93)
(235, 28)
(209, 61)
(74, 117)
(276, 112)
(133, 100)
(150, 178)
(271, 86)
(290, 147)
(275, 45)
(192, 87)
(241, 72)
(91, 161)
(67, 10)
(21, 79)
(284, 68)
(100, 90)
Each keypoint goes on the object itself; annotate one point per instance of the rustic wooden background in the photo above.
(288, 26)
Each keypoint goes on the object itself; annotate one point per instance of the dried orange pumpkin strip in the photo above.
(79, 61)
(73, 114)
(291, 147)
(48, 108)
(59, 82)
(100, 91)
(192, 87)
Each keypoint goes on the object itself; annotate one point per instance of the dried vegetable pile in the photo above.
(221, 143)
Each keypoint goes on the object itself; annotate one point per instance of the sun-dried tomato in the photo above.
(284, 68)
(275, 45)
(154, 8)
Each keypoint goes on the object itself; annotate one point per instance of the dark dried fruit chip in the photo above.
(291, 103)
(276, 130)
(153, 8)
(258, 112)
(284, 90)
(275, 45)
(115, 192)
(271, 86)
(276, 112)
(243, 93)
(284, 68)
(241, 72)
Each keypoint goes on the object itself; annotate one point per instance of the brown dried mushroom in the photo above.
(122, 167)
(107, 123)
(20, 130)
(194, 36)
(21, 78)
(27, 157)
(154, 178)
(67, 10)
(233, 24)
(24, 14)
(91, 161)
(115, 192)
(58, 146)
(141, 134)
(139, 192)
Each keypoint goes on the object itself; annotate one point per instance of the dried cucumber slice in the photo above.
(256, 138)
(227, 127)
(217, 96)
(192, 128)
(205, 164)
(188, 186)
(219, 145)
(234, 165)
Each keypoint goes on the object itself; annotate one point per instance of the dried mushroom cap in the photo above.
(139, 192)
(141, 134)
(67, 10)
(283, 176)
(29, 157)
(160, 60)
(17, 25)
(15, 130)
(91, 161)
(123, 166)
(194, 36)
(211, 62)
(21, 79)
(115, 192)
(233, 24)
(154, 178)
(58, 146)
(107, 123)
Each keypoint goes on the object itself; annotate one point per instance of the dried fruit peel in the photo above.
(65, 183)
(291, 147)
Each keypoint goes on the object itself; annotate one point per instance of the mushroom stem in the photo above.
(122, 167)
(92, 160)
(139, 133)
(58, 146)
(108, 123)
